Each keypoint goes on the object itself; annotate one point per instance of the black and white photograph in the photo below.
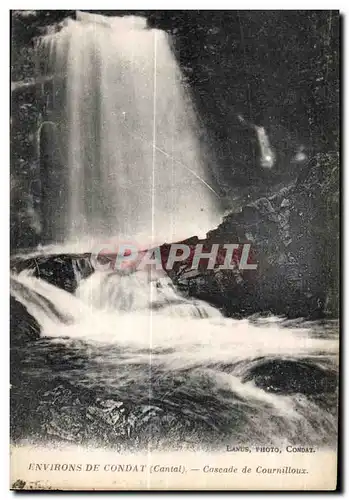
(174, 249)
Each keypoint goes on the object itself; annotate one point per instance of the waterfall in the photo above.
(134, 167)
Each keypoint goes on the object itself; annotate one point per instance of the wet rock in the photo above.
(23, 326)
(289, 377)
(64, 270)
(294, 237)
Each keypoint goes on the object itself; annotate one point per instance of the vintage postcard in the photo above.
(174, 260)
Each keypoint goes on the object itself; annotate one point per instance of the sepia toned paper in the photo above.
(93, 469)
(174, 223)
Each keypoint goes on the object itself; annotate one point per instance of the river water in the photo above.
(134, 340)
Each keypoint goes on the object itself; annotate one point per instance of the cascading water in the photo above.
(250, 381)
(134, 167)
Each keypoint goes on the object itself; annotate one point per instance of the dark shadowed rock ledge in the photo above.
(294, 237)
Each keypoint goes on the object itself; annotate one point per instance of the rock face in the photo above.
(294, 235)
(23, 326)
(294, 239)
(63, 271)
(65, 413)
